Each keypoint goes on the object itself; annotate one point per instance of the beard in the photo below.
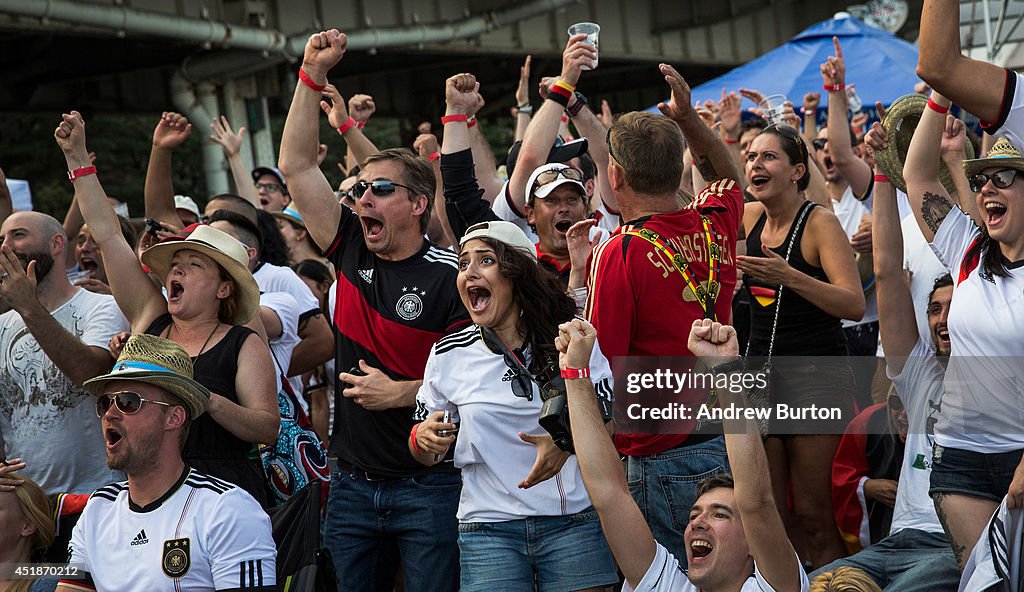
(44, 263)
(134, 459)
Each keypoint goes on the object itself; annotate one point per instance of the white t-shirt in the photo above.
(918, 385)
(275, 278)
(666, 575)
(287, 310)
(1013, 128)
(996, 557)
(924, 268)
(46, 419)
(466, 378)
(204, 534)
(981, 407)
(850, 212)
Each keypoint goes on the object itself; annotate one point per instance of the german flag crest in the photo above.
(176, 558)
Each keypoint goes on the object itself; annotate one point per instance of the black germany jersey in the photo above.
(388, 313)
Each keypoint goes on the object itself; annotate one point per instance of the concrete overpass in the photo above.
(238, 57)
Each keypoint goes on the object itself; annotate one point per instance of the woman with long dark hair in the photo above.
(802, 280)
(524, 513)
(211, 295)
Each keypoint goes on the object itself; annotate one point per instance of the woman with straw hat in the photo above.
(979, 443)
(211, 295)
(802, 279)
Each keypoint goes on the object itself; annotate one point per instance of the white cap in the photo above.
(503, 232)
(184, 202)
(546, 190)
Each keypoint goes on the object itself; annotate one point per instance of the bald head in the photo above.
(34, 236)
(47, 226)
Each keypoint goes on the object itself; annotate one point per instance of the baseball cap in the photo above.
(260, 171)
(560, 152)
(560, 178)
(503, 232)
(184, 202)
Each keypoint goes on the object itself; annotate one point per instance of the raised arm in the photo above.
(625, 528)
(856, 172)
(427, 147)
(589, 126)
(483, 156)
(361, 108)
(896, 315)
(974, 85)
(312, 193)
(359, 146)
(766, 537)
(524, 109)
(810, 124)
(711, 157)
(544, 128)
(170, 132)
(6, 204)
(953, 152)
(231, 141)
(928, 198)
(137, 297)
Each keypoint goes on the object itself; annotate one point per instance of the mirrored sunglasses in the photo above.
(548, 177)
(127, 402)
(1001, 179)
(378, 188)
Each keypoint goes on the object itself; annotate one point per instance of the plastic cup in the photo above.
(591, 30)
(773, 107)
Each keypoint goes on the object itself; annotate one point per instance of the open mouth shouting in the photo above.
(830, 166)
(942, 334)
(372, 227)
(563, 226)
(700, 549)
(174, 291)
(759, 180)
(112, 436)
(479, 298)
(995, 212)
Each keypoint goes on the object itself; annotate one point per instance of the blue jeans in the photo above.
(563, 553)
(370, 524)
(908, 561)
(664, 486)
(976, 474)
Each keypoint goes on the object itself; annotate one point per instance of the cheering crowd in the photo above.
(432, 343)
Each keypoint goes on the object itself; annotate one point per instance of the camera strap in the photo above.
(705, 298)
(498, 346)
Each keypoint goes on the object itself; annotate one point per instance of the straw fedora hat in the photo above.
(291, 215)
(900, 122)
(1002, 155)
(160, 362)
(222, 248)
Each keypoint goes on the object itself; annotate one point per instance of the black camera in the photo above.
(153, 226)
(554, 414)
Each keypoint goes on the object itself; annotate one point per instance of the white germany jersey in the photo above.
(204, 534)
(666, 575)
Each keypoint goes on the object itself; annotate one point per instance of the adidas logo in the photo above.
(367, 275)
(140, 539)
(509, 376)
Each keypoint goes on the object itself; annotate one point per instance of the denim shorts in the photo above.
(562, 552)
(976, 474)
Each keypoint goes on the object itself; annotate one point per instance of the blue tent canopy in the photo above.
(881, 65)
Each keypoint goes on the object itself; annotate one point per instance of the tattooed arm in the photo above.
(928, 198)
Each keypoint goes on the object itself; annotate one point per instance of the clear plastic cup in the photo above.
(853, 101)
(773, 107)
(591, 30)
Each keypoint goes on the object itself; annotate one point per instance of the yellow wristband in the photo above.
(566, 86)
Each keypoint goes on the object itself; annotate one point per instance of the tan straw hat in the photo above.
(162, 363)
(1002, 155)
(222, 248)
(900, 122)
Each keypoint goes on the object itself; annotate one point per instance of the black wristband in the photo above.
(727, 367)
(560, 99)
(581, 102)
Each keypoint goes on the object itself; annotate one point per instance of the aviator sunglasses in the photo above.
(127, 402)
(378, 188)
(550, 176)
(1001, 179)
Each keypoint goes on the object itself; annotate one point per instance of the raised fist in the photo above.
(171, 131)
(361, 107)
(323, 51)
(461, 93)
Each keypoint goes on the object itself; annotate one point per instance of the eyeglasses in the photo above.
(522, 386)
(608, 140)
(127, 402)
(1001, 179)
(270, 187)
(819, 143)
(548, 177)
(378, 188)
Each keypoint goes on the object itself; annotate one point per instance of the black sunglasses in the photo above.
(127, 402)
(608, 141)
(819, 143)
(551, 176)
(378, 188)
(1001, 179)
(522, 386)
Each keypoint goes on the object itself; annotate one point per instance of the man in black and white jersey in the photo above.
(168, 527)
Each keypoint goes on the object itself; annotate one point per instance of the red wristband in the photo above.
(881, 178)
(834, 87)
(434, 156)
(412, 439)
(309, 81)
(565, 119)
(361, 124)
(455, 118)
(346, 126)
(937, 107)
(729, 141)
(471, 121)
(571, 373)
(81, 172)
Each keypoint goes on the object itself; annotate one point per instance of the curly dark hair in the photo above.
(539, 294)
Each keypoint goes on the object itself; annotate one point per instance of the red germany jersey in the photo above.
(640, 303)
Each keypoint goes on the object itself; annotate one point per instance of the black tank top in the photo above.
(803, 329)
(215, 369)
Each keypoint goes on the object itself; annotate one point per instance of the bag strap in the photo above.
(801, 216)
(705, 298)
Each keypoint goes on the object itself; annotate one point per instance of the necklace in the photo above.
(205, 343)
